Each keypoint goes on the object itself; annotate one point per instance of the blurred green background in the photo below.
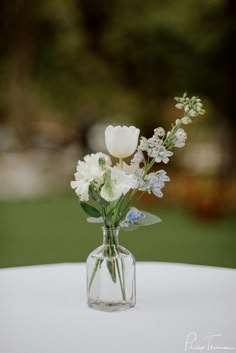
(54, 229)
(70, 67)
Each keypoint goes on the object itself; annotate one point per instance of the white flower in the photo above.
(155, 182)
(128, 168)
(81, 188)
(160, 154)
(159, 132)
(154, 148)
(138, 158)
(154, 142)
(117, 183)
(143, 145)
(121, 141)
(178, 122)
(191, 106)
(90, 170)
(138, 174)
(186, 120)
(179, 138)
(179, 106)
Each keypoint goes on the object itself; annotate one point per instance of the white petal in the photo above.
(121, 141)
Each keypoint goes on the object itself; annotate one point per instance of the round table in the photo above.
(180, 308)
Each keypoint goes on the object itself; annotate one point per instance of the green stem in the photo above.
(94, 272)
(122, 285)
(142, 193)
(116, 251)
(123, 274)
(111, 250)
(117, 209)
(167, 142)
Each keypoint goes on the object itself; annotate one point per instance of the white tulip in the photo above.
(121, 141)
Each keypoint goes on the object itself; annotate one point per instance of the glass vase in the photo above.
(111, 275)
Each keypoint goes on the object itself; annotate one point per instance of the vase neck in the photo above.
(110, 236)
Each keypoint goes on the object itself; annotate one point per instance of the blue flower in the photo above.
(133, 216)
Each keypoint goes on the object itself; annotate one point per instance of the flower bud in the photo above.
(121, 141)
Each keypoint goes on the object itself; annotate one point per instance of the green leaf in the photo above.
(108, 218)
(131, 227)
(104, 203)
(95, 220)
(93, 193)
(90, 210)
(149, 219)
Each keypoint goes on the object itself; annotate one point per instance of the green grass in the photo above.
(54, 229)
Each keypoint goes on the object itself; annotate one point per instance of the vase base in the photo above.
(113, 306)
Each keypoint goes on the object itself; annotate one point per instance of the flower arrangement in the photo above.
(108, 192)
(114, 188)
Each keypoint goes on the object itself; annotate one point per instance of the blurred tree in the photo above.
(118, 56)
(164, 47)
(17, 41)
(95, 18)
(225, 98)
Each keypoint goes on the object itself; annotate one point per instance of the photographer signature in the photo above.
(206, 344)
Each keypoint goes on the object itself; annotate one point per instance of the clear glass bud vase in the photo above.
(111, 275)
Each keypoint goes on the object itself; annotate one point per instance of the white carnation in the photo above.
(91, 169)
(81, 188)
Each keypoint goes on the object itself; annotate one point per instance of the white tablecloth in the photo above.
(43, 310)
